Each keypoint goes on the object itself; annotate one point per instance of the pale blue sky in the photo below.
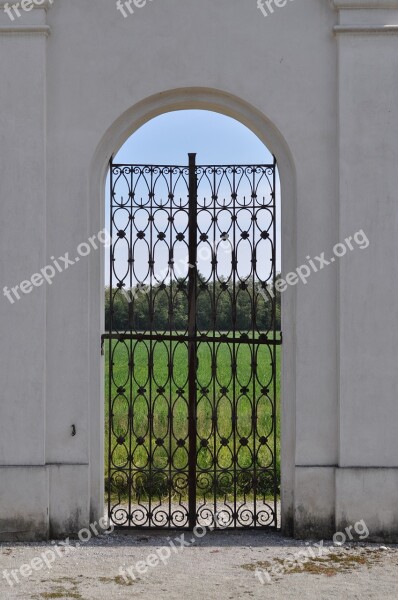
(215, 138)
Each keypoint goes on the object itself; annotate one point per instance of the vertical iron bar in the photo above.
(214, 351)
(131, 352)
(170, 417)
(274, 365)
(152, 346)
(110, 373)
(192, 330)
(254, 350)
(235, 212)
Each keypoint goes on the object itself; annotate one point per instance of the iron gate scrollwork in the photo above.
(192, 334)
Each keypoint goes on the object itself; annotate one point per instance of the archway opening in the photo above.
(193, 326)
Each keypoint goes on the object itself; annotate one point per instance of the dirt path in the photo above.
(220, 566)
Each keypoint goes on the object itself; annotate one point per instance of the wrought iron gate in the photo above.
(192, 331)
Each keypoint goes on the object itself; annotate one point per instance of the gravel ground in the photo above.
(220, 565)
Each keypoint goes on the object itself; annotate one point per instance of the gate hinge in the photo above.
(102, 345)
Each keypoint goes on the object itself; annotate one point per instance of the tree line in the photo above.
(166, 306)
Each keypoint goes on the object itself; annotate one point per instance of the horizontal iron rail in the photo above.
(141, 337)
(186, 167)
(184, 207)
(130, 529)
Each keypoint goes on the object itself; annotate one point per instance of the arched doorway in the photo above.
(228, 106)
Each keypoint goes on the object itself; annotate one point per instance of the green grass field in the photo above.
(218, 398)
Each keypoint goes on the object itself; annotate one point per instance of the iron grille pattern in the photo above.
(192, 396)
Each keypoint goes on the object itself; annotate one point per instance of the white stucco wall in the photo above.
(318, 83)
